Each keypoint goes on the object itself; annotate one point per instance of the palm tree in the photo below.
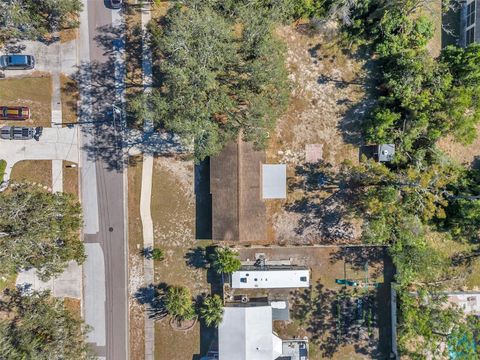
(212, 310)
(178, 303)
(225, 260)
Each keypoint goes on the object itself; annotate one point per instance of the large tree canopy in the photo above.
(37, 326)
(222, 75)
(31, 19)
(39, 229)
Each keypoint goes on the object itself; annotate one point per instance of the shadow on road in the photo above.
(101, 116)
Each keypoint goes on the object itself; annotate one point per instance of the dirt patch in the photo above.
(330, 88)
(135, 261)
(70, 178)
(34, 171)
(34, 92)
(69, 97)
(173, 213)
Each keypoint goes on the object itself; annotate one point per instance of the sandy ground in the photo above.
(328, 101)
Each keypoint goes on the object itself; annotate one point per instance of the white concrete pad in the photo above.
(94, 286)
(67, 284)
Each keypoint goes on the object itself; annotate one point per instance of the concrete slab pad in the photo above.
(67, 284)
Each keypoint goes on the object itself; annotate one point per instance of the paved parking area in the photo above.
(67, 284)
(55, 58)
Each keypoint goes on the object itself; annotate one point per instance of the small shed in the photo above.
(385, 152)
(274, 181)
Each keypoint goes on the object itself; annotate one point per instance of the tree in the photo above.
(158, 254)
(218, 83)
(31, 19)
(225, 261)
(212, 310)
(39, 229)
(37, 326)
(178, 303)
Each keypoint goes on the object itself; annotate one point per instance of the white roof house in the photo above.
(274, 181)
(271, 278)
(245, 333)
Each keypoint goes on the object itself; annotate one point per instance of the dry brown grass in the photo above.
(70, 178)
(34, 92)
(37, 171)
(68, 35)
(69, 97)
(328, 99)
(135, 260)
(74, 306)
(467, 155)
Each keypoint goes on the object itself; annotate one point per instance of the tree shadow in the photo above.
(152, 296)
(197, 258)
(336, 318)
(147, 252)
(203, 201)
(322, 204)
(358, 256)
(109, 140)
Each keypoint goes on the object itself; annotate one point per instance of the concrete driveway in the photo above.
(54, 144)
(56, 57)
(67, 284)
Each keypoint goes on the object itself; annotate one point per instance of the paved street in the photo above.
(102, 185)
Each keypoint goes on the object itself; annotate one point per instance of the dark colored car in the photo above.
(17, 62)
(17, 133)
(115, 4)
(14, 113)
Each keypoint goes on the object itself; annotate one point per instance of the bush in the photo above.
(158, 254)
(3, 166)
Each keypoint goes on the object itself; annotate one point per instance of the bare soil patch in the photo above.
(468, 155)
(330, 94)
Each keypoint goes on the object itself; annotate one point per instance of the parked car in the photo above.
(116, 4)
(14, 113)
(17, 133)
(17, 62)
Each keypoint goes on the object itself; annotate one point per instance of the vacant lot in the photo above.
(34, 92)
(329, 97)
(340, 322)
(173, 213)
(36, 171)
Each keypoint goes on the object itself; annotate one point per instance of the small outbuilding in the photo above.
(385, 152)
(274, 181)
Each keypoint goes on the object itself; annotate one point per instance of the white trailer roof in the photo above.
(271, 279)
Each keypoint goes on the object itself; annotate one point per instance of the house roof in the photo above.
(245, 333)
(238, 212)
(271, 279)
(274, 181)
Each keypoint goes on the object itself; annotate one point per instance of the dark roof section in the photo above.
(238, 211)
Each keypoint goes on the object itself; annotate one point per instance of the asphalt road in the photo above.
(102, 187)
